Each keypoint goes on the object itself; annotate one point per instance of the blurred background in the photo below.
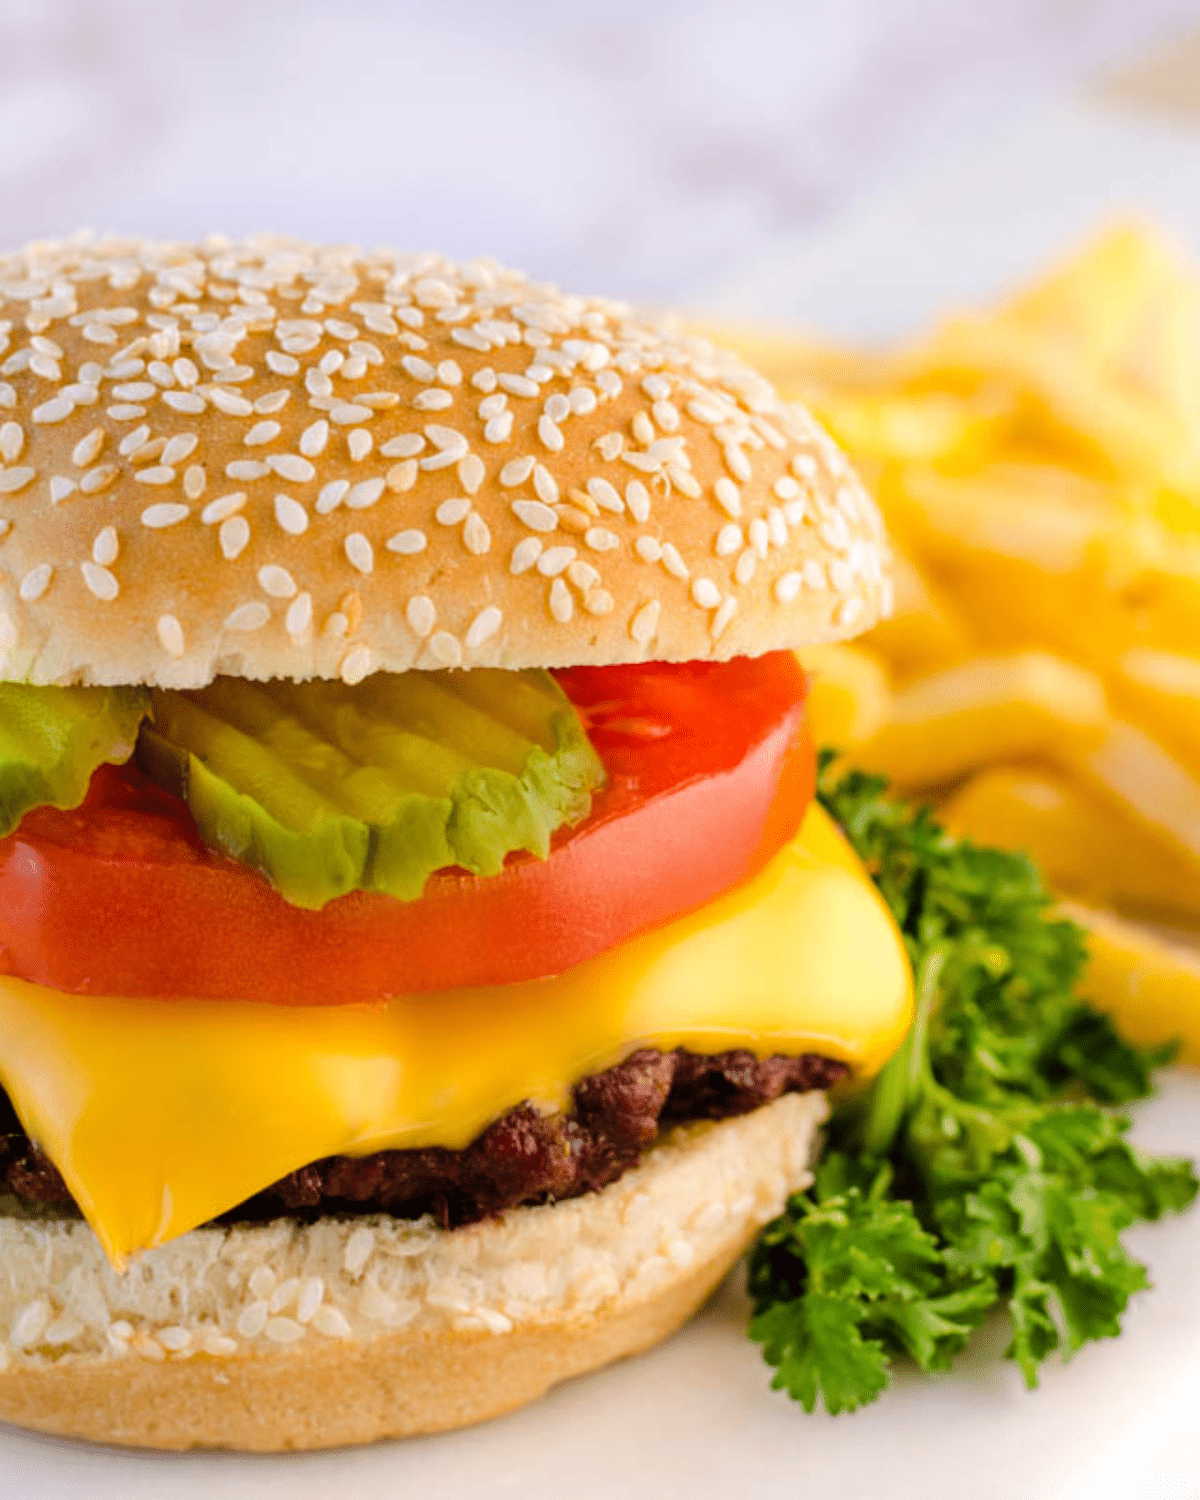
(641, 147)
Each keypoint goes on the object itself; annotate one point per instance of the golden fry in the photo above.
(1083, 846)
(850, 695)
(1149, 985)
(925, 631)
(1025, 705)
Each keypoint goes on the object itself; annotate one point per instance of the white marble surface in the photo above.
(638, 146)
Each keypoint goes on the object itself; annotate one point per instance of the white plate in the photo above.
(696, 1418)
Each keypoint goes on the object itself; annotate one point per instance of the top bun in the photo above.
(274, 459)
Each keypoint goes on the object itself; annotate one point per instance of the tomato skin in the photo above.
(710, 771)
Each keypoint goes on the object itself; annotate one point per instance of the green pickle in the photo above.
(53, 738)
(327, 788)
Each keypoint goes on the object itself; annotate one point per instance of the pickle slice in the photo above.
(327, 788)
(53, 738)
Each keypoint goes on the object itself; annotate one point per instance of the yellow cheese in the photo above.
(162, 1114)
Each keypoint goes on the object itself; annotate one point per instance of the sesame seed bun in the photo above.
(276, 459)
(344, 1331)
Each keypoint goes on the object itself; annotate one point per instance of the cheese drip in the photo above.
(161, 1115)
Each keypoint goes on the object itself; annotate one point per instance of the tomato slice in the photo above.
(709, 773)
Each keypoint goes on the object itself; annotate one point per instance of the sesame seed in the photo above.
(492, 406)
(402, 476)
(159, 517)
(229, 402)
(182, 446)
(185, 401)
(804, 466)
(251, 616)
(746, 566)
(363, 495)
(125, 412)
(524, 555)
(483, 627)
(276, 581)
(35, 582)
(535, 515)
(554, 561)
(99, 580)
(359, 442)
(354, 667)
(786, 487)
(516, 471)
(643, 429)
(13, 481)
(637, 498)
(599, 539)
(499, 429)
(445, 649)
(787, 587)
(562, 605)
(260, 433)
(291, 515)
(673, 562)
(223, 507)
(195, 481)
(83, 455)
(105, 547)
(233, 536)
(814, 575)
(644, 625)
(99, 479)
(359, 552)
(331, 1323)
(550, 434)
(666, 414)
(419, 369)
(12, 441)
(471, 473)
(56, 410)
(452, 512)
(407, 445)
(292, 467)
(582, 574)
(606, 496)
(170, 634)
(477, 538)
(349, 413)
(244, 469)
(777, 527)
(60, 488)
(545, 485)
(648, 548)
(332, 495)
(299, 615)
(760, 536)
(729, 540)
(736, 462)
(421, 615)
(705, 593)
(434, 399)
(517, 385)
(557, 407)
(407, 542)
(314, 438)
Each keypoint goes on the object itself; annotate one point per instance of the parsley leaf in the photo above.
(979, 1171)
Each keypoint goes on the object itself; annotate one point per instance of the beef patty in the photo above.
(524, 1157)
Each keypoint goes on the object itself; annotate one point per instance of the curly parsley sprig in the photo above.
(980, 1169)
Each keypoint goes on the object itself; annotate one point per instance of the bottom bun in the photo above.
(289, 1335)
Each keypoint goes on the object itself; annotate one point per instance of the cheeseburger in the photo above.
(421, 956)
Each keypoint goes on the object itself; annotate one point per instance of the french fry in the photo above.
(1083, 846)
(1149, 985)
(850, 694)
(1134, 773)
(925, 630)
(1162, 690)
(1025, 705)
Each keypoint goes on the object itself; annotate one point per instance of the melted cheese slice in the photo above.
(162, 1114)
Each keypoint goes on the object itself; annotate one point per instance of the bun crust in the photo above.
(287, 1336)
(274, 459)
